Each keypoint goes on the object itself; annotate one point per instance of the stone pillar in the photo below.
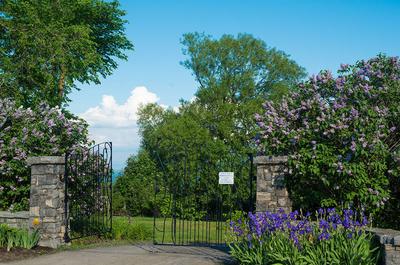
(271, 192)
(390, 245)
(46, 211)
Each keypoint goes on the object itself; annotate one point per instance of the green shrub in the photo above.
(123, 230)
(3, 235)
(13, 237)
(27, 240)
(341, 135)
(25, 132)
(134, 189)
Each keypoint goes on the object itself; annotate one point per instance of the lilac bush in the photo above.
(25, 132)
(294, 238)
(341, 134)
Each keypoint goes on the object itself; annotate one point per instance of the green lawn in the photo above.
(187, 231)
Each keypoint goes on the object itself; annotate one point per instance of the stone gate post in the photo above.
(46, 211)
(271, 192)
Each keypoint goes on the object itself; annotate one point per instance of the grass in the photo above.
(123, 233)
(187, 232)
(93, 242)
(140, 229)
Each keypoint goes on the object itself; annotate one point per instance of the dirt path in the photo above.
(133, 255)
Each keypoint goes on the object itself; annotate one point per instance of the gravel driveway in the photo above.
(133, 255)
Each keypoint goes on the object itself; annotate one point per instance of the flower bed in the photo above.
(23, 253)
(329, 237)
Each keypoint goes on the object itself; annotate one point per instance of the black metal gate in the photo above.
(192, 207)
(88, 191)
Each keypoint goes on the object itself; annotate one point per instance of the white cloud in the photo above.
(110, 121)
(110, 114)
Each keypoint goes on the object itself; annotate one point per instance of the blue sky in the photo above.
(316, 34)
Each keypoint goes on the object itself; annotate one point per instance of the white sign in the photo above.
(226, 178)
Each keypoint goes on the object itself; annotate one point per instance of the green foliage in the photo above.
(341, 134)
(3, 234)
(13, 237)
(118, 203)
(84, 225)
(27, 132)
(279, 249)
(215, 131)
(28, 240)
(46, 46)
(135, 188)
(244, 255)
(235, 75)
(238, 69)
(124, 230)
(341, 250)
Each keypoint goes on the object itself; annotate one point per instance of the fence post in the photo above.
(46, 211)
(271, 192)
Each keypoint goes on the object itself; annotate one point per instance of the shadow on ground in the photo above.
(217, 253)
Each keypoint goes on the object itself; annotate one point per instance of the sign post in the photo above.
(226, 178)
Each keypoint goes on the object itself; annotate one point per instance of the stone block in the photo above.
(43, 160)
(261, 206)
(41, 170)
(47, 179)
(282, 202)
(51, 243)
(34, 180)
(389, 247)
(264, 185)
(49, 203)
(49, 219)
(264, 196)
(49, 212)
(267, 176)
(34, 211)
(262, 160)
(396, 240)
(281, 192)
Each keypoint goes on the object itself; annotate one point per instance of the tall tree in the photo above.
(235, 76)
(215, 131)
(46, 46)
(136, 185)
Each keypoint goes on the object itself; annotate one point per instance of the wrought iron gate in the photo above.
(192, 208)
(88, 191)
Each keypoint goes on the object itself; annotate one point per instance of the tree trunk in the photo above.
(61, 84)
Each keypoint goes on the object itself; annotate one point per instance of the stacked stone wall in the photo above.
(15, 219)
(271, 192)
